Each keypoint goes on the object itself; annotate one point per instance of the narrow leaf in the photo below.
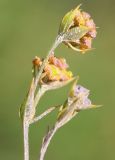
(56, 84)
(74, 34)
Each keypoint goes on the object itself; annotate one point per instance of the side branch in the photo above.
(43, 114)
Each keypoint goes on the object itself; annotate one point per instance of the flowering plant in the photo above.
(76, 31)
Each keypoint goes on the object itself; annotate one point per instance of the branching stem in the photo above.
(30, 109)
(49, 110)
(58, 40)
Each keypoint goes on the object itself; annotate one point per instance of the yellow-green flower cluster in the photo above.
(54, 70)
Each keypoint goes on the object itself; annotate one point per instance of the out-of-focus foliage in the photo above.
(27, 29)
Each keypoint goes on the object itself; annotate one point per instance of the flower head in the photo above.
(79, 19)
(79, 90)
(80, 94)
(54, 70)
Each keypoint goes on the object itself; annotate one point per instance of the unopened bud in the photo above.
(37, 61)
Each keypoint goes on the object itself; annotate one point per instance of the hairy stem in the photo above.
(26, 141)
(46, 141)
(39, 94)
(31, 102)
(49, 110)
(58, 40)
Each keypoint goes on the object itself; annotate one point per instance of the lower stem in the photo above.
(58, 40)
(26, 141)
(46, 141)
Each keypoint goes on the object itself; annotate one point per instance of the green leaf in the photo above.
(68, 20)
(74, 34)
(94, 106)
(22, 108)
(26, 111)
(67, 114)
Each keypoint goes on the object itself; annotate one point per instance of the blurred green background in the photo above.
(27, 29)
